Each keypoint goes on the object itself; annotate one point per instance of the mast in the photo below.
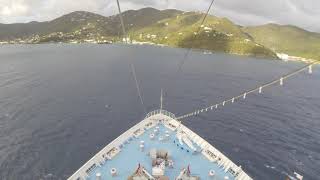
(161, 100)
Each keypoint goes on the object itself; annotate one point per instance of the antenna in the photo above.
(161, 100)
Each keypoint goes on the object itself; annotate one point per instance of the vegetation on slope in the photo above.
(170, 27)
(218, 34)
(82, 24)
(287, 39)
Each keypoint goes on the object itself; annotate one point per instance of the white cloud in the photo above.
(13, 8)
(303, 13)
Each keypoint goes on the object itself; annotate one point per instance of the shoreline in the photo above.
(281, 56)
(288, 58)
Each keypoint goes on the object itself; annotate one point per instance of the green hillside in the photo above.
(169, 27)
(81, 24)
(218, 34)
(287, 39)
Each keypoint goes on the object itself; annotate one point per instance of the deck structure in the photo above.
(159, 131)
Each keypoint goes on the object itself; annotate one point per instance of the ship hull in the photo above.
(159, 131)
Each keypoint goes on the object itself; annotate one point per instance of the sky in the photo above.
(302, 13)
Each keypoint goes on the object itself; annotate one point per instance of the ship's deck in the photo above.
(126, 162)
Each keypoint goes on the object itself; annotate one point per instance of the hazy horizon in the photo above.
(153, 8)
(303, 14)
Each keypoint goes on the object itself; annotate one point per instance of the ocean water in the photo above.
(60, 104)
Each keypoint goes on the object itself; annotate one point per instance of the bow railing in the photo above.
(160, 111)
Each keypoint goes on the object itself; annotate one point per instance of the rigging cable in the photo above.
(245, 93)
(185, 56)
(133, 69)
(181, 63)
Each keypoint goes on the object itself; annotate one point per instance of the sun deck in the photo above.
(125, 154)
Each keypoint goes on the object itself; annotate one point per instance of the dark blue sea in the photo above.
(60, 104)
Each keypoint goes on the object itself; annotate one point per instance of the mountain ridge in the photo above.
(169, 27)
(287, 39)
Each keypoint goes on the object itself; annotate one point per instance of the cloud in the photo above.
(303, 13)
(10, 8)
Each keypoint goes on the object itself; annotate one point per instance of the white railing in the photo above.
(225, 161)
(99, 157)
(160, 111)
